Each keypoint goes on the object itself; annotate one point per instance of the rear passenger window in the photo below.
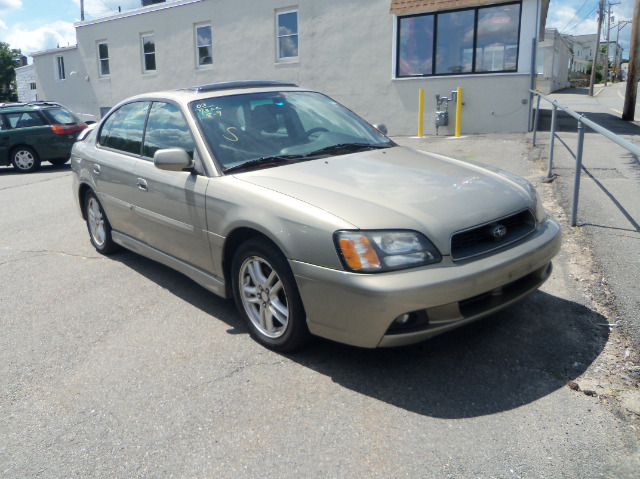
(123, 129)
(166, 128)
(25, 119)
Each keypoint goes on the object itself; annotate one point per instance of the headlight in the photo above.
(541, 214)
(378, 251)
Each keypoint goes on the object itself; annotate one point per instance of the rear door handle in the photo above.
(142, 184)
(96, 169)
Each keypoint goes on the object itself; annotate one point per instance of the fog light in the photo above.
(403, 319)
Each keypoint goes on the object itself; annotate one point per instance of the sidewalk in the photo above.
(609, 201)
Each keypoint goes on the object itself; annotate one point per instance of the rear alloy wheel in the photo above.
(98, 225)
(267, 296)
(25, 159)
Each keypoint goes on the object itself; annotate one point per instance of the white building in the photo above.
(26, 83)
(371, 55)
(553, 60)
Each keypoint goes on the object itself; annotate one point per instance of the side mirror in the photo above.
(172, 159)
(382, 128)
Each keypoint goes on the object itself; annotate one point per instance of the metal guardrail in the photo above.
(582, 121)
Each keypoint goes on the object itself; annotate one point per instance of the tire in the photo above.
(267, 296)
(58, 161)
(98, 225)
(25, 159)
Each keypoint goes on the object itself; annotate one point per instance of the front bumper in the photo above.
(359, 309)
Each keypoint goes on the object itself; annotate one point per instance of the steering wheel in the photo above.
(317, 129)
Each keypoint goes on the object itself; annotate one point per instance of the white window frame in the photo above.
(100, 59)
(144, 55)
(278, 36)
(58, 66)
(198, 46)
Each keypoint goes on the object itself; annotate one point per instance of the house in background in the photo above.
(371, 55)
(26, 83)
(583, 47)
(553, 60)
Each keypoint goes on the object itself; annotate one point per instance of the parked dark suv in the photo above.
(34, 132)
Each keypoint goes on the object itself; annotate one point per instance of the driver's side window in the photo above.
(166, 128)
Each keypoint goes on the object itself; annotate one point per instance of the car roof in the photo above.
(28, 106)
(194, 93)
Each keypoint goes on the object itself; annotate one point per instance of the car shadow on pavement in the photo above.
(500, 363)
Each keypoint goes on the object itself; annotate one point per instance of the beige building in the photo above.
(371, 55)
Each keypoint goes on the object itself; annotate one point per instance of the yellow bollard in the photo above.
(420, 112)
(458, 111)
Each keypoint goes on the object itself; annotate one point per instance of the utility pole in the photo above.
(81, 10)
(606, 60)
(629, 110)
(594, 66)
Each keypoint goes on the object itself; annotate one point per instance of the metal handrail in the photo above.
(582, 121)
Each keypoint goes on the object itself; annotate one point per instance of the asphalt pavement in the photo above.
(119, 367)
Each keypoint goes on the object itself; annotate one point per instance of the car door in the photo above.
(4, 142)
(112, 162)
(170, 205)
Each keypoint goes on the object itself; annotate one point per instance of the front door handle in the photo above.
(142, 184)
(96, 169)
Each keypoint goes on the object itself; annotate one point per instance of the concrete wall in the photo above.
(346, 49)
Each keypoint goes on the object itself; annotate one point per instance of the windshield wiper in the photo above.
(264, 161)
(348, 148)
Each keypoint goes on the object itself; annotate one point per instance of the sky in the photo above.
(37, 25)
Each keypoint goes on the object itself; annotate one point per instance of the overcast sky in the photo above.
(36, 25)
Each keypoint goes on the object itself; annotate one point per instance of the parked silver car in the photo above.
(312, 219)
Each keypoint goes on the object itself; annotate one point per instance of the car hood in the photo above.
(400, 188)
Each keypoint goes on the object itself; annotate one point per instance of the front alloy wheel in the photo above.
(98, 225)
(267, 297)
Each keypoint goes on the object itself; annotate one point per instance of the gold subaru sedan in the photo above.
(313, 220)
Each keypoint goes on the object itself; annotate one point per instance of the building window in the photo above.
(148, 53)
(103, 58)
(204, 45)
(473, 40)
(287, 34)
(60, 75)
(32, 86)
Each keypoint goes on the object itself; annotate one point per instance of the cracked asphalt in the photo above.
(120, 367)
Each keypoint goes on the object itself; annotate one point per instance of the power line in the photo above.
(584, 19)
(579, 10)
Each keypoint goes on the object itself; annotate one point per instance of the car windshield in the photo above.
(259, 129)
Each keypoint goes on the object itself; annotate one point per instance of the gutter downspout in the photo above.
(534, 49)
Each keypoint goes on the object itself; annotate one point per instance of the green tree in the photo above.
(9, 61)
(599, 70)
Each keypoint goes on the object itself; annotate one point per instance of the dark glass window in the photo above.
(416, 45)
(454, 42)
(473, 40)
(497, 43)
(25, 120)
(149, 53)
(123, 129)
(103, 55)
(166, 128)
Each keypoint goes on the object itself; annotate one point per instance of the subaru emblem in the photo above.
(498, 232)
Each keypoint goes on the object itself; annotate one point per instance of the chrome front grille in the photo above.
(492, 235)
